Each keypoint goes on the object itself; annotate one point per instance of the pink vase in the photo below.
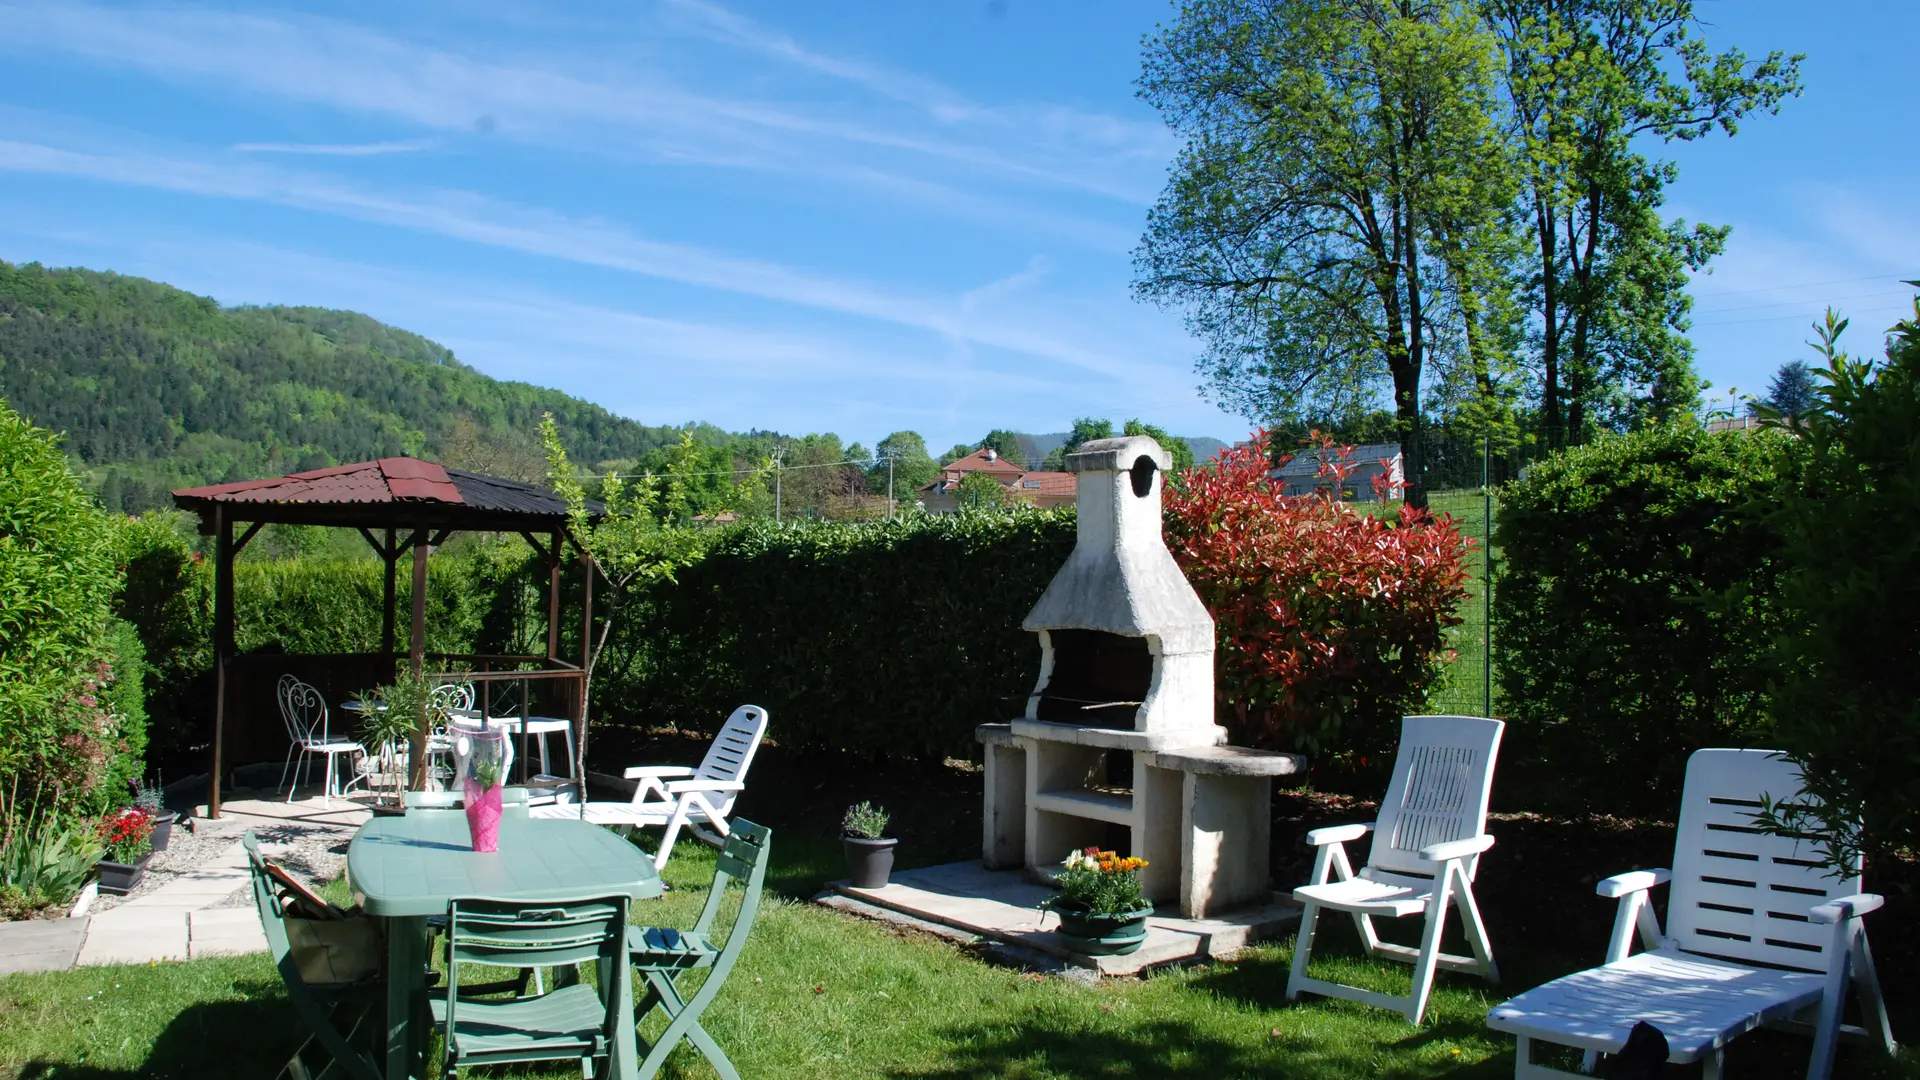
(483, 815)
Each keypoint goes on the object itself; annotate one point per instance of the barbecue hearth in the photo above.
(1126, 668)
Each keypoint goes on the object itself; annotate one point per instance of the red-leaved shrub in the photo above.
(1332, 622)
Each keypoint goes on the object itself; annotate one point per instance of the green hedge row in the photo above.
(1635, 609)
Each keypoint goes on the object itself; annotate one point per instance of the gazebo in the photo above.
(399, 505)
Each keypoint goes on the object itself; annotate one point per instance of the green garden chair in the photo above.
(321, 1007)
(571, 1021)
(661, 954)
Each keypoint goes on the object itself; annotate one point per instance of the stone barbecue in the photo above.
(1118, 747)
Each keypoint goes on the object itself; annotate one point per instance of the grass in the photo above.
(820, 994)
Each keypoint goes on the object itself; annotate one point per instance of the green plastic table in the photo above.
(404, 869)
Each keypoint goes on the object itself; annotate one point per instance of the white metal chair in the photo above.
(676, 797)
(1426, 847)
(1759, 931)
(304, 712)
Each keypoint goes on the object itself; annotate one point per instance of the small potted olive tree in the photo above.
(394, 712)
(863, 836)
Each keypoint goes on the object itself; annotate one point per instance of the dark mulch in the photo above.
(1535, 887)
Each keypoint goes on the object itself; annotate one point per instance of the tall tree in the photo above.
(1177, 447)
(1585, 82)
(1006, 444)
(1792, 391)
(912, 466)
(1339, 156)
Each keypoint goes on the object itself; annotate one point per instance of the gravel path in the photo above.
(315, 853)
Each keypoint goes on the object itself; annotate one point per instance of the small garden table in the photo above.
(404, 869)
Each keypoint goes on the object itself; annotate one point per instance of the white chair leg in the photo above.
(328, 791)
(1713, 1066)
(1423, 967)
(1866, 983)
(1302, 948)
(545, 767)
(285, 765)
(1476, 930)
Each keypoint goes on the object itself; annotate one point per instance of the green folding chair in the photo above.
(322, 1008)
(574, 1021)
(661, 954)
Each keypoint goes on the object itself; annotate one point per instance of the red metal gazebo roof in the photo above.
(389, 491)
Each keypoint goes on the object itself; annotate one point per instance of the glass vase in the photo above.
(481, 760)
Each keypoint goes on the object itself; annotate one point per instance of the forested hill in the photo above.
(157, 388)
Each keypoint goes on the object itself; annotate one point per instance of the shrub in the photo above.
(882, 638)
(1633, 610)
(1848, 705)
(1331, 623)
(57, 578)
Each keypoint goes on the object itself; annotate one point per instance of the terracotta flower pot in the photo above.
(869, 862)
(119, 879)
(483, 815)
(1102, 935)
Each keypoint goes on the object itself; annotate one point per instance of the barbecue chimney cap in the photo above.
(1117, 455)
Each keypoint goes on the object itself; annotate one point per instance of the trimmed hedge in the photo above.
(66, 726)
(1634, 609)
(881, 639)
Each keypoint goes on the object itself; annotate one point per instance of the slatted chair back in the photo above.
(732, 751)
(1442, 779)
(533, 934)
(743, 859)
(306, 1002)
(1739, 893)
(303, 710)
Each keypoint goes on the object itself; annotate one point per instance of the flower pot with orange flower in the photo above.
(1101, 909)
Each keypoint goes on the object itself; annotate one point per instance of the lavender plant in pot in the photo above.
(150, 800)
(863, 836)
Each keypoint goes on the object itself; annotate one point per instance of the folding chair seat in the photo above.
(1759, 932)
(1427, 845)
(660, 954)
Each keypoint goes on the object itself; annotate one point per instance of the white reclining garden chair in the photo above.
(1759, 931)
(677, 797)
(1426, 848)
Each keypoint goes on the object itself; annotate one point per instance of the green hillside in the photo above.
(157, 388)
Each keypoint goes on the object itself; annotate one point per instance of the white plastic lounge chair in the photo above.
(676, 797)
(1758, 932)
(1426, 848)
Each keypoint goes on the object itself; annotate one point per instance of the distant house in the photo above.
(1032, 487)
(1301, 475)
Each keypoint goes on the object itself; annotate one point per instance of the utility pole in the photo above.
(776, 485)
(1486, 574)
(889, 452)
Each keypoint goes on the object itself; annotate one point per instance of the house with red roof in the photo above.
(1031, 487)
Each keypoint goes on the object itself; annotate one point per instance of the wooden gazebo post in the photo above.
(222, 647)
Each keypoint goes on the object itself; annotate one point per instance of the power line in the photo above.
(1791, 303)
(1895, 275)
(1852, 315)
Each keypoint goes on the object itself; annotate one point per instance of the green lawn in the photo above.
(820, 994)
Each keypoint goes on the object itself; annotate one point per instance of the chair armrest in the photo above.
(1632, 881)
(1456, 849)
(1845, 907)
(1338, 834)
(639, 771)
(680, 787)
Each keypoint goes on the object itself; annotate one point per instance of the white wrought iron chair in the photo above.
(446, 703)
(1759, 931)
(1426, 848)
(304, 712)
(675, 796)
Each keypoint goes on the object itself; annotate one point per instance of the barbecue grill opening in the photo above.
(1099, 679)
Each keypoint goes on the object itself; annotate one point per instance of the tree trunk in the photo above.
(1550, 317)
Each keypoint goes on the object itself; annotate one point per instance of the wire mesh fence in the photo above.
(1470, 684)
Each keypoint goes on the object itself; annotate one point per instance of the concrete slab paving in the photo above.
(1005, 905)
(40, 944)
(135, 935)
(225, 932)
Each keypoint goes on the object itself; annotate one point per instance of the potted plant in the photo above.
(1102, 912)
(391, 715)
(127, 836)
(869, 852)
(150, 799)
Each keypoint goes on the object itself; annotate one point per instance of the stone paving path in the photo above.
(184, 919)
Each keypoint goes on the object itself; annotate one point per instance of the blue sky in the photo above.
(854, 217)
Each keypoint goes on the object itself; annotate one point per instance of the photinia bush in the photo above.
(1331, 622)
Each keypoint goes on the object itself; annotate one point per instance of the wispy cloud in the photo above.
(372, 149)
(475, 218)
(632, 105)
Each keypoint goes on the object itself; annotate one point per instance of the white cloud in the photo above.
(373, 149)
